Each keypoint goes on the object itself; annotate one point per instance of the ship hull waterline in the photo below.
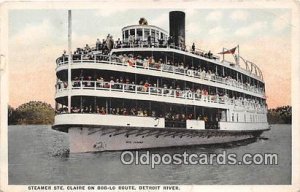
(86, 138)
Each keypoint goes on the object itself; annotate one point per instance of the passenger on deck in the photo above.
(193, 48)
(140, 112)
(87, 49)
(149, 39)
(161, 42)
(170, 41)
(119, 43)
(98, 45)
(131, 40)
(146, 63)
(146, 86)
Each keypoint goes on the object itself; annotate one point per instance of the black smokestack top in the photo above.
(177, 27)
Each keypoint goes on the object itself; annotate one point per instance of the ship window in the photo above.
(147, 33)
(153, 34)
(132, 32)
(139, 33)
(156, 34)
(126, 34)
(232, 117)
(162, 36)
(237, 117)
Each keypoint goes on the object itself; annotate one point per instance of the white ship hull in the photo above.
(84, 139)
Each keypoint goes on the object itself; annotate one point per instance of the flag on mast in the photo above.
(229, 51)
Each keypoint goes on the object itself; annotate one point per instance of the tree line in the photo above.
(37, 112)
(31, 113)
(280, 115)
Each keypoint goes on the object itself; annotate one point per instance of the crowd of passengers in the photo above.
(106, 45)
(180, 67)
(169, 116)
(145, 85)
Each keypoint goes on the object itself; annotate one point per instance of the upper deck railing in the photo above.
(197, 95)
(131, 62)
(146, 44)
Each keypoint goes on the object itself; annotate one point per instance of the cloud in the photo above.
(32, 35)
(33, 52)
(239, 15)
(82, 40)
(281, 22)
(217, 30)
(33, 44)
(193, 29)
(251, 29)
(190, 12)
(110, 11)
(214, 16)
(160, 21)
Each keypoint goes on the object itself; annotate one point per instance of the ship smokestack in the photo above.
(177, 27)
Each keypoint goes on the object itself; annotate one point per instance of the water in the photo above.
(39, 155)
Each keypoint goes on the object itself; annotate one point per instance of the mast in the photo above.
(238, 59)
(70, 58)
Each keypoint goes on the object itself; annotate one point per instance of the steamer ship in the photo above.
(149, 90)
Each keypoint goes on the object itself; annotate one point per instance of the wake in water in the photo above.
(60, 153)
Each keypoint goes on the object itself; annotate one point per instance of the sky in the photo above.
(38, 37)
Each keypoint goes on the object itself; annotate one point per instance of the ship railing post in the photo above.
(94, 59)
(95, 85)
(149, 90)
(81, 59)
(81, 84)
(123, 88)
(109, 86)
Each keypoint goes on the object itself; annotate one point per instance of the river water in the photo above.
(39, 155)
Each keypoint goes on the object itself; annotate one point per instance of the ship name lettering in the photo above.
(76, 187)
